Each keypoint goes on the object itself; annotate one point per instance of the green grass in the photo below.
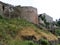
(18, 42)
(9, 29)
(57, 32)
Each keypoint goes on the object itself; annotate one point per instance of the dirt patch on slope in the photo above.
(28, 31)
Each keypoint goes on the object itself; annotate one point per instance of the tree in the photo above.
(58, 23)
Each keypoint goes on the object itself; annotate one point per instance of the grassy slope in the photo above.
(10, 29)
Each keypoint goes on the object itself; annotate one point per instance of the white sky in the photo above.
(51, 7)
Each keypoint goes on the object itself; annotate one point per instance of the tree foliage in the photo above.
(58, 22)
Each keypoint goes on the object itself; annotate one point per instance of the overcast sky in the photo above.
(50, 7)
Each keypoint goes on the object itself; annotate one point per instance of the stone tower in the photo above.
(29, 13)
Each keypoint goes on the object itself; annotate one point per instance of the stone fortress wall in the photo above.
(26, 12)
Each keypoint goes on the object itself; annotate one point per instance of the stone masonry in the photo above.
(26, 12)
(30, 14)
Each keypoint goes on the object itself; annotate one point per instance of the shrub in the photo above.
(1, 17)
(57, 32)
(44, 41)
(18, 42)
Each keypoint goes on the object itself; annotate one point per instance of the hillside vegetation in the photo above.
(11, 31)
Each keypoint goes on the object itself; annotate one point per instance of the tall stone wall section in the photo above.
(30, 14)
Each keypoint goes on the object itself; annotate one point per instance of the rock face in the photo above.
(55, 42)
(26, 12)
(48, 18)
